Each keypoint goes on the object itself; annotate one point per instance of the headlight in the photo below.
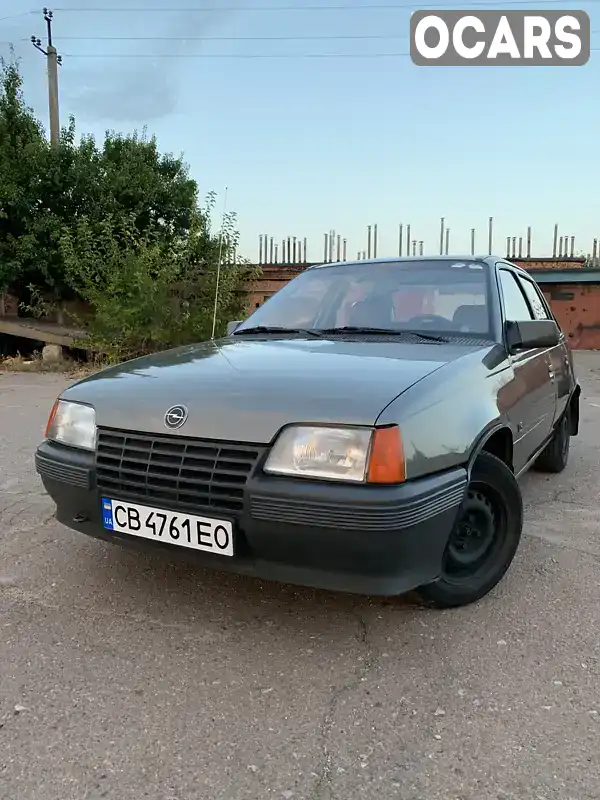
(73, 424)
(358, 455)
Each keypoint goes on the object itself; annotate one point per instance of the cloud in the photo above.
(145, 91)
(140, 89)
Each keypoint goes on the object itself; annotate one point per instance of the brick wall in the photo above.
(576, 306)
(549, 263)
(577, 309)
(274, 276)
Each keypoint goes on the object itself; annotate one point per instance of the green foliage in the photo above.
(38, 306)
(117, 225)
(21, 153)
(146, 295)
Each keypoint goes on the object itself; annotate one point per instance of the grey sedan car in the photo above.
(361, 431)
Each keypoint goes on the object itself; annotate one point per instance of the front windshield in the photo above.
(441, 296)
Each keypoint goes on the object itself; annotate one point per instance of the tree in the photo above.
(44, 190)
(126, 178)
(22, 147)
(156, 188)
(117, 225)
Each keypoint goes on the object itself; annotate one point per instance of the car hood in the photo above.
(246, 390)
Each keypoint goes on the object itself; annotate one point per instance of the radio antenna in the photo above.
(220, 258)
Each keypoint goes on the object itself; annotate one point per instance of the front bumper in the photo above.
(378, 540)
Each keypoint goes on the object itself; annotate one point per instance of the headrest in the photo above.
(373, 312)
(471, 319)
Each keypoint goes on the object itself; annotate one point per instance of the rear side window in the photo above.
(516, 308)
(535, 301)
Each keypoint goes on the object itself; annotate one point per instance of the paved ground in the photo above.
(124, 677)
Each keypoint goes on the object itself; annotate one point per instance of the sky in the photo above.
(360, 137)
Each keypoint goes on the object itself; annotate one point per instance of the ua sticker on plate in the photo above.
(107, 514)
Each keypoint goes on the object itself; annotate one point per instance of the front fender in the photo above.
(451, 413)
(484, 439)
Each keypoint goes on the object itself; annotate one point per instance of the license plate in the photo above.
(185, 530)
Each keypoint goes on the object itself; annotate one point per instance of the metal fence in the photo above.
(293, 249)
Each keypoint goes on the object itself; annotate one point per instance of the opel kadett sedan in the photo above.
(363, 430)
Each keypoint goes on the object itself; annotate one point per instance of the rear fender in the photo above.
(573, 411)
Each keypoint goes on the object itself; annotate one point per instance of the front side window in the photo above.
(516, 308)
(442, 295)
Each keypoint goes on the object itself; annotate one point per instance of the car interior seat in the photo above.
(471, 319)
(373, 312)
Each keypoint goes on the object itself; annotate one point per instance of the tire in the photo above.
(555, 456)
(484, 539)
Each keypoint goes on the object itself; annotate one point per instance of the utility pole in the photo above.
(52, 60)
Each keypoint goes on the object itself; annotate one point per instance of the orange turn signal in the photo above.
(51, 418)
(386, 460)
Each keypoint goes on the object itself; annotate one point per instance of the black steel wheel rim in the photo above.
(478, 534)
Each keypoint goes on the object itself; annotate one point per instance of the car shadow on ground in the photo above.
(165, 589)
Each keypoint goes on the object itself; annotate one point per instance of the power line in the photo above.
(211, 39)
(17, 15)
(334, 37)
(320, 7)
(238, 55)
(226, 38)
(246, 55)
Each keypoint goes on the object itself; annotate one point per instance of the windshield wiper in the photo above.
(383, 332)
(320, 332)
(276, 329)
(429, 336)
(359, 329)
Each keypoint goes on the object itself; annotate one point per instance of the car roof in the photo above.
(491, 260)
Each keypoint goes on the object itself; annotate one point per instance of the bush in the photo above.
(147, 295)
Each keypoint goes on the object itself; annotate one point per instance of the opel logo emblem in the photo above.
(175, 417)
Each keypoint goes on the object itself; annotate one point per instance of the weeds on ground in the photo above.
(35, 363)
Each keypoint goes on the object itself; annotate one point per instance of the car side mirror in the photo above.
(532, 333)
(231, 326)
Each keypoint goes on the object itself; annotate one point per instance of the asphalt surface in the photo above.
(126, 677)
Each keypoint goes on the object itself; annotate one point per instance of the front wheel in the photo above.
(484, 539)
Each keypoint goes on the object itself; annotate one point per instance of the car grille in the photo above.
(174, 470)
